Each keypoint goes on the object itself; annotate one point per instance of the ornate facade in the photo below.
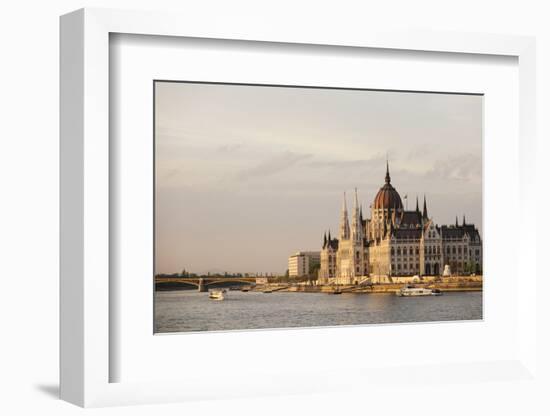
(396, 242)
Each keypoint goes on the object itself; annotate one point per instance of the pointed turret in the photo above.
(388, 179)
(344, 223)
(456, 222)
(325, 240)
(417, 209)
(329, 237)
(425, 210)
(463, 220)
(356, 222)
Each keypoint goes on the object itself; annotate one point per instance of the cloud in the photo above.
(273, 165)
(374, 162)
(338, 163)
(229, 148)
(465, 167)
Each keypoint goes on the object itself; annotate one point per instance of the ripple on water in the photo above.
(185, 310)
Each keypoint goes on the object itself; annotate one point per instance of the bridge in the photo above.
(202, 282)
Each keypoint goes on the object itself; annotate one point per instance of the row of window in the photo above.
(434, 250)
(406, 266)
(427, 250)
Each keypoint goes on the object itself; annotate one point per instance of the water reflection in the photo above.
(180, 311)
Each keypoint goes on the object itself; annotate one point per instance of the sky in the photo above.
(247, 175)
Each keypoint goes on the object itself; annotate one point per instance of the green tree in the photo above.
(313, 271)
(470, 267)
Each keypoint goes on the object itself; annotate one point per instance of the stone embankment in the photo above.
(446, 285)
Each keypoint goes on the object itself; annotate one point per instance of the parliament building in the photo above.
(395, 242)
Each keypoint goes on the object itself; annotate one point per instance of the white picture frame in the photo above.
(85, 214)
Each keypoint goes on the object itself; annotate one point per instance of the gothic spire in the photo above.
(325, 240)
(417, 209)
(356, 221)
(344, 223)
(388, 179)
(425, 210)
(463, 220)
(456, 223)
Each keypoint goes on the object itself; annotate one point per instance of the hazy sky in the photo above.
(246, 175)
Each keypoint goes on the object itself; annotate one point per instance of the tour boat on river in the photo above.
(417, 291)
(216, 294)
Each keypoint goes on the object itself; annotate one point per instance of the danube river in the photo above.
(187, 310)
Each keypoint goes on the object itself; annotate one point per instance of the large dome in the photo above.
(387, 197)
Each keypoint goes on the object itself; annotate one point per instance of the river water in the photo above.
(187, 310)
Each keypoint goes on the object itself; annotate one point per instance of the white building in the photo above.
(397, 242)
(300, 263)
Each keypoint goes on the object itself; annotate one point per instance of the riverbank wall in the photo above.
(457, 285)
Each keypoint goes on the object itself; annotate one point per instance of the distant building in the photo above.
(300, 263)
(397, 242)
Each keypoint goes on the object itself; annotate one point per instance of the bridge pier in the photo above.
(202, 286)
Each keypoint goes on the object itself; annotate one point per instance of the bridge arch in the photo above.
(229, 280)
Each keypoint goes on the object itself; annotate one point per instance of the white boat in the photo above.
(414, 291)
(217, 294)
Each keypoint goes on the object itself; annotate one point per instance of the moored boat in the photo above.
(414, 291)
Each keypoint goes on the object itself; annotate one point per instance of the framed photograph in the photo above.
(327, 206)
(240, 206)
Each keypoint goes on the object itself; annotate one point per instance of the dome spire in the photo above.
(387, 196)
